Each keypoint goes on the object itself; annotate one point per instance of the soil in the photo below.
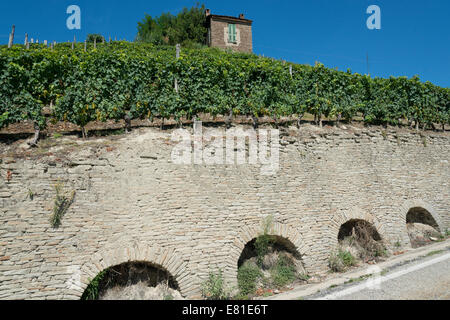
(138, 281)
(141, 291)
(422, 234)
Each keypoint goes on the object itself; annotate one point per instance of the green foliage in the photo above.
(262, 244)
(284, 272)
(30, 194)
(380, 251)
(248, 275)
(62, 203)
(341, 261)
(98, 38)
(214, 287)
(187, 28)
(241, 297)
(432, 253)
(138, 79)
(424, 141)
(92, 291)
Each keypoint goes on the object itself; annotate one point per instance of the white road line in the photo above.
(379, 280)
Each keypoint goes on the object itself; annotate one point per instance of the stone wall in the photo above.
(219, 36)
(133, 203)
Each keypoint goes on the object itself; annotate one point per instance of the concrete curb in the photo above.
(340, 279)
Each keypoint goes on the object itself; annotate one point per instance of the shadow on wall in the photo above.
(359, 228)
(269, 263)
(422, 227)
(255, 249)
(133, 281)
(358, 240)
(421, 215)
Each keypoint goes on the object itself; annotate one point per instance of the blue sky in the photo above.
(414, 39)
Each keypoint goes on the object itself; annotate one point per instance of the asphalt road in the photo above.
(424, 279)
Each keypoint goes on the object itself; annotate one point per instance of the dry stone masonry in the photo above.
(133, 204)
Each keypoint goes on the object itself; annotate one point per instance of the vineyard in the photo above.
(122, 80)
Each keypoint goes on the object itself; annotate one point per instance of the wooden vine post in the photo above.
(11, 37)
(37, 133)
(178, 57)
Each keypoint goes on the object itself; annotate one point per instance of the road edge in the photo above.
(340, 279)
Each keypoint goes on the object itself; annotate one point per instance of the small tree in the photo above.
(94, 37)
(187, 28)
(214, 287)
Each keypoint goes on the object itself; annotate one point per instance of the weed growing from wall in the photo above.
(264, 241)
(92, 292)
(342, 260)
(248, 275)
(62, 203)
(30, 194)
(214, 287)
(284, 272)
(424, 141)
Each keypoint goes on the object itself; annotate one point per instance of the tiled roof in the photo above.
(235, 19)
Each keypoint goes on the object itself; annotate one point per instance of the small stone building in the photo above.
(227, 32)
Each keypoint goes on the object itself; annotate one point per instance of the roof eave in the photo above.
(229, 18)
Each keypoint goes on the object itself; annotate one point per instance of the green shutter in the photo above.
(232, 33)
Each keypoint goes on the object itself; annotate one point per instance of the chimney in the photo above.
(207, 12)
(241, 16)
